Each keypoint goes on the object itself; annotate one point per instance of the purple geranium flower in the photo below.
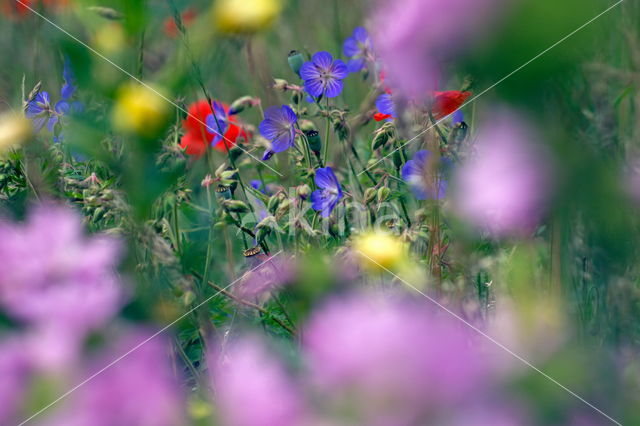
(323, 76)
(326, 198)
(278, 127)
(358, 48)
(217, 125)
(385, 106)
(418, 174)
(457, 117)
(40, 111)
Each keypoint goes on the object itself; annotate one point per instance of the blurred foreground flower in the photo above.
(56, 280)
(415, 38)
(140, 110)
(389, 361)
(245, 16)
(504, 188)
(15, 130)
(140, 390)
(379, 250)
(422, 174)
(248, 376)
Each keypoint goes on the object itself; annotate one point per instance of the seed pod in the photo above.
(296, 60)
(284, 207)
(369, 195)
(379, 140)
(383, 194)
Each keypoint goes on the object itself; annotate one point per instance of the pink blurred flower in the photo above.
(14, 373)
(55, 279)
(415, 38)
(137, 390)
(253, 389)
(504, 188)
(391, 360)
(266, 274)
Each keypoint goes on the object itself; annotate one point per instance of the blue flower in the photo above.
(326, 198)
(418, 175)
(323, 76)
(217, 125)
(358, 48)
(386, 108)
(65, 105)
(278, 127)
(457, 117)
(40, 111)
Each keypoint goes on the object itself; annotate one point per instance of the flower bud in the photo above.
(235, 206)
(274, 203)
(295, 60)
(306, 125)
(242, 104)
(303, 191)
(280, 84)
(315, 143)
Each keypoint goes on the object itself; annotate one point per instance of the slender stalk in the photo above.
(327, 136)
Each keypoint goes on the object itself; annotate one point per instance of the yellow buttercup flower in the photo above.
(15, 130)
(140, 110)
(379, 250)
(245, 16)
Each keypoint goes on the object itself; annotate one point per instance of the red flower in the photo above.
(444, 103)
(197, 137)
(170, 26)
(378, 116)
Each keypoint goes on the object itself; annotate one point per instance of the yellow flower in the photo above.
(15, 130)
(379, 250)
(245, 16)
(110, 38)
(140, 110)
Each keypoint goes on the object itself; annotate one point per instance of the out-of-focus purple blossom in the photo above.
(279, 127)
(326, 198)
(323, 76)
(418, 174)
(415, 38)
(56, 279)
(405, 358)
(139, 390)
(504, 188)
(358, 48)
(253, 388)
(266, 274)
(15, 371)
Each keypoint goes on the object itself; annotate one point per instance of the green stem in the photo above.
(327, 129)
